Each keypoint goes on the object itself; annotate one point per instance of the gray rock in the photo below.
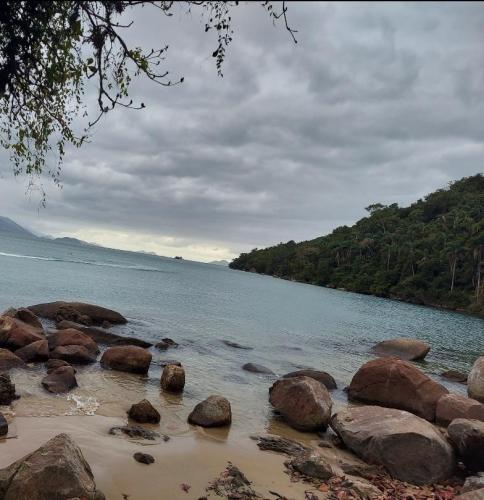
(134, 432)
(468, 437)
(314, 466)
(475, 381)
(215, 411)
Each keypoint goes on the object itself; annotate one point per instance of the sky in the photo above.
(377, 102)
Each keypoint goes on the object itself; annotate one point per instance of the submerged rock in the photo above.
(75, 354)
(475, 381)
(397, 384)
(409, 447)
(127, 358)
(166, 362)
(134, 432)
(215, 411)
(15, 334)
(143, 458)
(403, 348)
(236, 345)
(9, 360)
(304, 403)
(255, 368)
(36, 351)
(468, 437)
(165, 344)
(60, 380)
(173, 378)
(454, 376)
(144, 413)
(325, 378)
(7, 390)
(452, 406)
(70, 336)
(57, 470)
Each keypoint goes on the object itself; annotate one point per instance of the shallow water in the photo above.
(287, 325)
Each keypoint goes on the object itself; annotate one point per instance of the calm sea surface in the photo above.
(287, 325)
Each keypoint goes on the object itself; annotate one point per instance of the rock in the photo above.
(57, 470)
(69, 313)
(471, 495)
(396, 384)
(314, 466)
(232, 484)
(280, 445)
(409, 447)
(454, 376)
(364, 489)
(59, 380)
(403, 348)
(53, 364)
(134, 432)
(26, 316)
(9, 360)
(473, 483)
(468, 438)
(97, 314)
(101, 336)
(15, 334)
(165, 344)
(166, 362)
(7, 390)
(143, 458)
(3, 425)
(304, 403)
(475, 381)
(255, 368)
(215, 411)
(127, 358)
(325, 378)
(36, 351)
(235, 345)
(70, 336)
(173, 378)
(452, 406)
(75, 354)
(144, 413)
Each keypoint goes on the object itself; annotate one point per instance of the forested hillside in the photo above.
(431, 252)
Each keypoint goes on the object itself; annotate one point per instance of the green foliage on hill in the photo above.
(431, 252)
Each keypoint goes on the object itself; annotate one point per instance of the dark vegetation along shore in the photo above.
(431, 252)
(403, 436)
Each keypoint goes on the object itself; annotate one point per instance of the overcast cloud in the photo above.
(376, 103)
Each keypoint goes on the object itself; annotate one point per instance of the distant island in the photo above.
(430, 253)
(219, 262)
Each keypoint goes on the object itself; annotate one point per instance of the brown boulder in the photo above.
(403, 348)
(144, 413)
(75, 354)
(468, 437)
(475, 381)
(26, 316)
(62, 379)
(127, 358)
(7, 389)
(452, 406)
(36, 351)
(173, 378)
(304, 403)
(53, 364)
(70, 336)
(397, 384)
(9, 360)
(409, 447)
(57, 470)
(215, 411)
(325, 378)
(15, 334)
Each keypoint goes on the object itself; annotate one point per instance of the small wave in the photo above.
(85, 405)
(28, 256)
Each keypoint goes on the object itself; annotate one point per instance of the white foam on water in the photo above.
(85, 405)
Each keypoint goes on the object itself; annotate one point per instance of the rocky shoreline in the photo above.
(402, 435)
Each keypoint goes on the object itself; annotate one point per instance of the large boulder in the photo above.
(36, 351)
(403, 348)
(325, 378)
(475, 380)
(452, 406)
(9, 360)
(144, 413)
(97, 314)
(57, 470)
(25, 315)
(215, 411)
(409, 447)
(468, 437)
(15, 334)
(75, 354)
(397, 384)
(304, 402)
(70, 336)
(7, 389)
(173, 378)
(60, 380)
(127, 358)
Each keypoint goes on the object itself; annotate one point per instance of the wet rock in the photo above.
(452, 406)
(455, 376)
(304, 403)
(26, 316)
(403, 348)
(314, 466)
(255, 368)
(280, 445)
(15, 334)
(409, 447)
(75, 354)
(53, 364)
(166, 362)
(70, 336)
(127, 358)
(144, 413)
(173, 378)
(97, 314)
(7, 390)
(325, 378)
(57, 470)
(69, 313)
(165, 344)
(468, 437)
(60, 380)
(396, 384)
(143, 458)
(475, 381)
(36, 351)
(9, 360)
(134, 432)
(215, 411)
(236, 345)
(3, 425)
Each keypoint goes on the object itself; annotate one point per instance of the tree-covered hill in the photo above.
(431, 252)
